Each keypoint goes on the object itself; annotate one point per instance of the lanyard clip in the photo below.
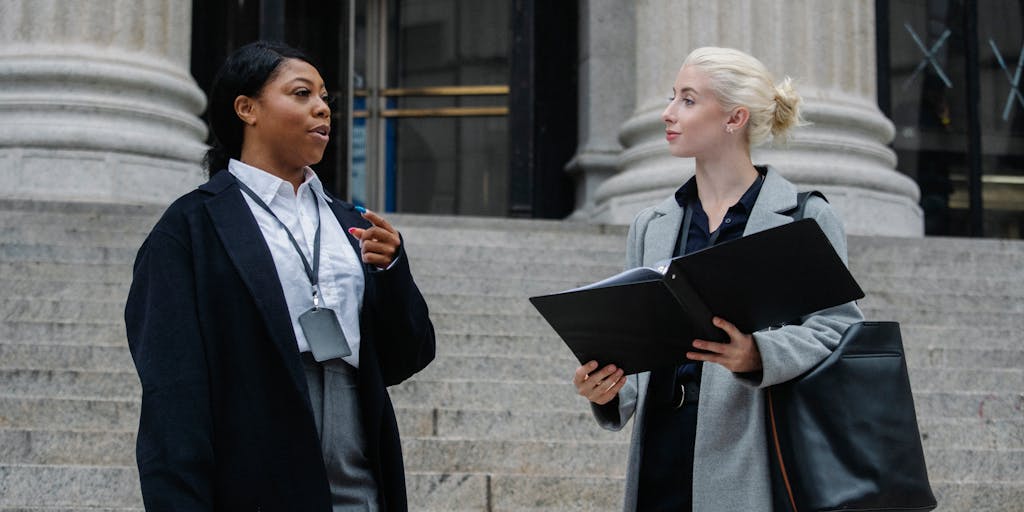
(316, 296)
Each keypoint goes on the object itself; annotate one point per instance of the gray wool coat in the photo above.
(731, 469)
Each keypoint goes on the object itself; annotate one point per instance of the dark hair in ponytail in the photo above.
(245, 72)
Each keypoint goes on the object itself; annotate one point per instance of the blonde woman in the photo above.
(700, 442)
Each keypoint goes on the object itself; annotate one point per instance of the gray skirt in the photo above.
(335, 399)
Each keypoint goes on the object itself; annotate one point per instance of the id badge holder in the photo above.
(323, 333)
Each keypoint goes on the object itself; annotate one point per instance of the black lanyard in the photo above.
(311, 272)
(684, 233)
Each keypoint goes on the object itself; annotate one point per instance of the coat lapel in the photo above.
(662, 231)
(244, 243)
(776, 197)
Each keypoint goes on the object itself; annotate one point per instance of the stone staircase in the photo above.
(494, 423)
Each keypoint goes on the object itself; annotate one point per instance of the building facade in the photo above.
(524, 108)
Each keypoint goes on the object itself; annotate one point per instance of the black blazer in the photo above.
(226, 421)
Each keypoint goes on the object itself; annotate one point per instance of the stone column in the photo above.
(829, 49)
(96, 101)
(606, 95)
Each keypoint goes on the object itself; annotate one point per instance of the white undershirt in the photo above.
(341, 274)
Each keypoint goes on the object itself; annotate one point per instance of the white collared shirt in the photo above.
(341, 273)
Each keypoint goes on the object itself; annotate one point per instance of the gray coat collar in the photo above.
(777, 196)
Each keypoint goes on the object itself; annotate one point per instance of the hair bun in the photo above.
(786, 114)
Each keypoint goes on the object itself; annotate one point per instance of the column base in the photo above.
(94, 176)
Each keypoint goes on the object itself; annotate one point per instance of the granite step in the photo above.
(920, 355)
(926, 347)
(538, 240)
(19, 212)
(101, 333)
(521, 394)
(466, 423)
(941, 318)
(428, 492)
(75, 509)
(480, 492)
(490, 269)
(56, 273)
(969, 380)
(528, 395)
(515, 457)
(77, 236)
(42, 288)
(99, 414)
(505, 424)
(883, 247)
(43, 307)
(958, 302)
(973, 433)
(67, 447)
(75, 487)
(898, 303)
(70, 384)
(28, 252)
(910, 270)
(557, 368)
(981, 466)
(552, 362)
(68, 280)
(551, 367)
(526, 457)
(941, 285)
(66, 357)
(908, 307)
(978, 496)
(969, 335)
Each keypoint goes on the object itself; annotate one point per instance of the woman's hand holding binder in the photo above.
(599, 386)
(739, 355)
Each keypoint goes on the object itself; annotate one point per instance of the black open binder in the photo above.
(646, 318)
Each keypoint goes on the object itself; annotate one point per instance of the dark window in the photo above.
(950, 79)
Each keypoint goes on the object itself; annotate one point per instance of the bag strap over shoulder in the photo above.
(801, 203)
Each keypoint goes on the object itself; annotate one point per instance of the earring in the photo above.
(728, 129)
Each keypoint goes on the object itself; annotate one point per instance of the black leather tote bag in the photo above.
(844, 436)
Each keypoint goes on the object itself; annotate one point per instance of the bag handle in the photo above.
(778, 450)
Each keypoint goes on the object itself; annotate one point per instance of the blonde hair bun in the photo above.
(740, 80)
(786, 115)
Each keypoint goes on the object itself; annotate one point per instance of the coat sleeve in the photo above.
(403, 332)
(615, 414)
(174, 448)
(788, 352)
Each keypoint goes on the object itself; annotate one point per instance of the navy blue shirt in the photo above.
(732, 225)
(700, 235)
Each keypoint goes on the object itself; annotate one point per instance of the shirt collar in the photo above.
(267, 186)
(688, 192)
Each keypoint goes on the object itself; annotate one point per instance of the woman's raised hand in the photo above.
(599, 386)
(379, 242)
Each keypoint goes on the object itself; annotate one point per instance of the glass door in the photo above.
(950, 77)
(429, 114)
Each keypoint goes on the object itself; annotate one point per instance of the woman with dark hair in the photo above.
(266, 317)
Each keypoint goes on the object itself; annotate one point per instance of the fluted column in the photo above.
(96, 100)
(829, 48)
(606, 80)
